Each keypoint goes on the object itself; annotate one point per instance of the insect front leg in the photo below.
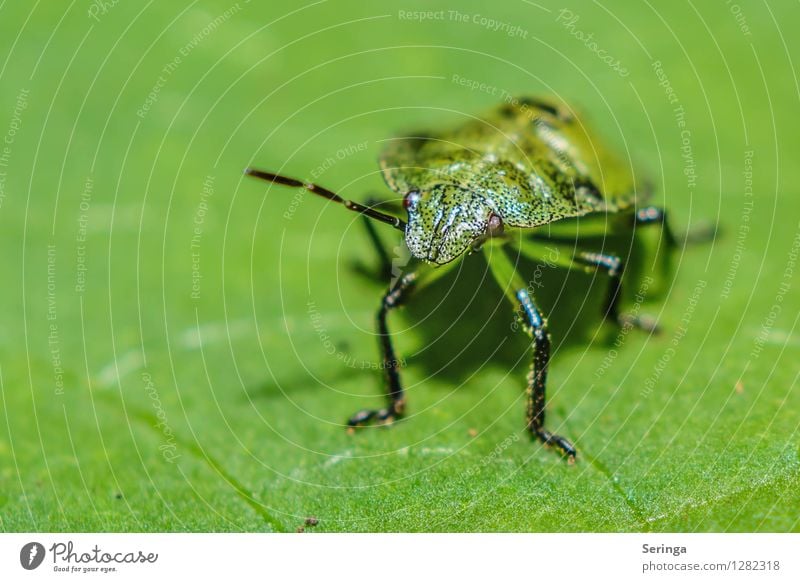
(537, 377)
(504, 273)
(416, 280)
(393, 298)
(384, 272)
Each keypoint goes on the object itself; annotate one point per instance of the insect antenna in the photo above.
(325, 193)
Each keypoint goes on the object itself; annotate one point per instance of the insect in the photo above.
(500, 184)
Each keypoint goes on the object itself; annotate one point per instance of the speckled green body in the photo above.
(526, 162)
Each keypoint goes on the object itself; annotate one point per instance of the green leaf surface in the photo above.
(181, 346)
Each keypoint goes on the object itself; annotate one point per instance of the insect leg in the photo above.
(554, 254)
(394, 297)
(613, 267)
(537, 377)
(656, 215)
(702, 232)
(559, 255)
(536, 326)
(384, 272)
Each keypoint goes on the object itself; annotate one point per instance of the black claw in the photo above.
(565, 446)
(361, 417)
(364, 417)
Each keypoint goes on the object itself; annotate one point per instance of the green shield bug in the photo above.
(497, 182)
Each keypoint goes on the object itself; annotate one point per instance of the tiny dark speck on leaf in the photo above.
(311, 521)
(118, 496)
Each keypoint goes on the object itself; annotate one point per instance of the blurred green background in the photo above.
(180, 345)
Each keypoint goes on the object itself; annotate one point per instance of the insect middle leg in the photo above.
(697, 233)
(568, 257)
(656, 215)
(613, 266)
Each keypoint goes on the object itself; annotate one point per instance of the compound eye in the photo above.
(495, 226)
(410, 200)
